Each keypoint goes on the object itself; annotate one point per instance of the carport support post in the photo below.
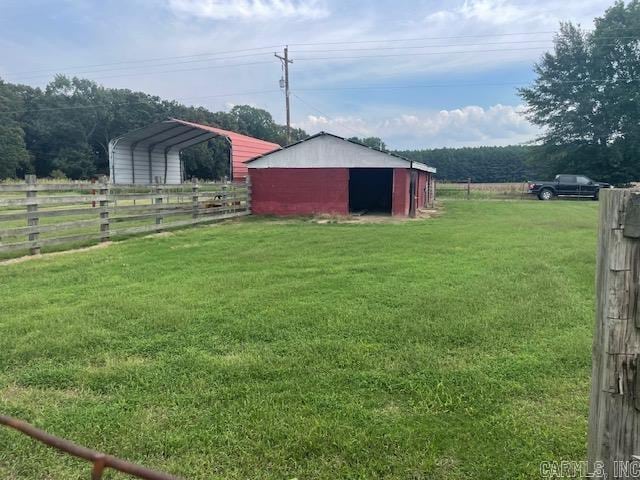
(194, 197)
(158, 202)
(32, 217)
(614, 416)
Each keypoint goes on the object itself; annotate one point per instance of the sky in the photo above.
(417, 73)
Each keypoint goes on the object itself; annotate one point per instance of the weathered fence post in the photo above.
(225, 204)
(468, 188)
(194, 197)
(104, 209)
(158, 201)
(614, 416)
(32, 214)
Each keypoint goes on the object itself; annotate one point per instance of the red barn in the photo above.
(327, 174)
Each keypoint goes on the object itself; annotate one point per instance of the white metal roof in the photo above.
(325, 150)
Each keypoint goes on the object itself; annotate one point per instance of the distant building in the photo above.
(327, 174)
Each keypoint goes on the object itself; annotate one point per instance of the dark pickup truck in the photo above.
(567, 186)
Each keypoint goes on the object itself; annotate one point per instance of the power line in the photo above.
(464, 85)
(416, 39)
(405, 47)
(271, 47)
(138, 67)
(333, 58)
(68, 70)
(353, 57)
(156, 59)
(142, 102)
(452, 37)
(326, 115)
(208, 67)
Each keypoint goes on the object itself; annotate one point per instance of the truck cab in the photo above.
(567, 185)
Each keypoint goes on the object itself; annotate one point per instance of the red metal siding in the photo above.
(400, 192)
(299, 191)
(243, 147)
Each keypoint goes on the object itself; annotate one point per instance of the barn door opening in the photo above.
(370, 190)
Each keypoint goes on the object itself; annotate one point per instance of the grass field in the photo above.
(450, 348)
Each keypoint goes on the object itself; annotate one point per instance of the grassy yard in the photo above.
(450, 348)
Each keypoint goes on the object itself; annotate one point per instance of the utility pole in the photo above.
(285, 62)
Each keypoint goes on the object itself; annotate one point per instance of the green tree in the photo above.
(373, 142)
(207, 160)
(586, 96)
(14, 157)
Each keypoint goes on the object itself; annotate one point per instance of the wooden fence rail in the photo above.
(92, 210)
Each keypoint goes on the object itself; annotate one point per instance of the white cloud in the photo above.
(479, 15)
(466, 126)
(249, 9)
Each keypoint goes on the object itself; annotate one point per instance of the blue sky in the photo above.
(438, 73)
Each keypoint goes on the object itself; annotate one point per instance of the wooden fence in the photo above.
(35, 215)
(478, 191)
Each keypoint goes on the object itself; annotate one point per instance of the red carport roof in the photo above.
(243, 147)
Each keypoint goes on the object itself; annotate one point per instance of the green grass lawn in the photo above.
(451, 348)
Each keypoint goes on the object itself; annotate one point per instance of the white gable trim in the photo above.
(328, 151)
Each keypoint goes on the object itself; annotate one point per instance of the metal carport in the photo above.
(138, 157)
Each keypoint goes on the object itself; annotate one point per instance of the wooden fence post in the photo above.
(224, 198)
(194, 197)
(104, 209)
(158, 201)
(468, 188)
(614, 416)
(32, 216)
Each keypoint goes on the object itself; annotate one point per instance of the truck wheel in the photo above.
(545, 194)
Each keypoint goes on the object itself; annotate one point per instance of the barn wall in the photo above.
(299, 191)
(400, 192)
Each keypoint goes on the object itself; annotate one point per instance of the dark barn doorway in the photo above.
(370, 190)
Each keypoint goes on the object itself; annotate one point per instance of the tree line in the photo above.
(480, 164)
(64, 129)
